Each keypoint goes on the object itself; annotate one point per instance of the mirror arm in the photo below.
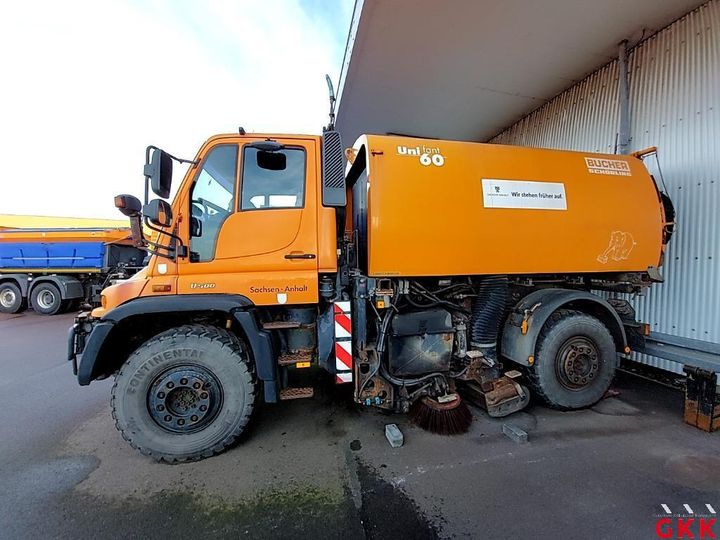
(155, 250)
(136, 232)
(179, 160)
(180, 251)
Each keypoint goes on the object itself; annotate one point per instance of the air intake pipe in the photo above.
(487, 312)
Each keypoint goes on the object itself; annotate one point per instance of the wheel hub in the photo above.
(577, 362)
(46, 299)
(7, 298)
(184, 399)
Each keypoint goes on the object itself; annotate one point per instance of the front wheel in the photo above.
(186, 394)
(575, 361)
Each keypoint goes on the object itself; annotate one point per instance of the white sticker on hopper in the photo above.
(523, 194)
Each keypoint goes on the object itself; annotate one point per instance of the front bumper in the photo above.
(85, 339)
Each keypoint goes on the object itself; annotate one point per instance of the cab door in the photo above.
(253, 226)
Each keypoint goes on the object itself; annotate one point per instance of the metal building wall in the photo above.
(675, 105)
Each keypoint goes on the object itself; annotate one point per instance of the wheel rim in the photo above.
(184, 399)
(577, 363)
(7, 298)
(46, 299)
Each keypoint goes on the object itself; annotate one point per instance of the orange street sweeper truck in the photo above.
(418, 272)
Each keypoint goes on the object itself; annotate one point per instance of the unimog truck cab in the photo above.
(421, 272)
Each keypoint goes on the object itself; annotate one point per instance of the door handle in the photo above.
(299, 255)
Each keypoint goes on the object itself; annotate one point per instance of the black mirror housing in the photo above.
(159, 213)
(271, 161)
(159, 171)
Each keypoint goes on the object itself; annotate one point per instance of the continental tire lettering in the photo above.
(170, 354)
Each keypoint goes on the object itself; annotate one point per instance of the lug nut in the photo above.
(161, 395)
(181, 422)
(161, 408)
(183, 381)
(204, 395)
(196, 386)
(170, 384)
(194, 418)
(168, 417)
(203, 408)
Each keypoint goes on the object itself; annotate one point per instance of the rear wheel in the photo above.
(186, 394)
(575, 361)
(11, 300)
(45, 298)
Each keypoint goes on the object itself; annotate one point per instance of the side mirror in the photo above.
(271, 161)
(130, 206)
(333, 170)
(159, 171)
(158, 212)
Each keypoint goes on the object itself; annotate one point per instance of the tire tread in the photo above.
(532, 374)
(227, 340)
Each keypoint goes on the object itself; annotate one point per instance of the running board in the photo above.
(296, 393)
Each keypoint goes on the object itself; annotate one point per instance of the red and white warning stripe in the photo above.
(343, 343)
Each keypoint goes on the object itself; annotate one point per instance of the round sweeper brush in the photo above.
(447, 418)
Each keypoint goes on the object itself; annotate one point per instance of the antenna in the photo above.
(331, 92)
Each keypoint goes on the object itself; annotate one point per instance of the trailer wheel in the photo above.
(45, 298)
(186, 394)
(11, 299)
(575, 361)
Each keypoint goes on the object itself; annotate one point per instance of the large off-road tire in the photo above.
(186, 394)
(575, 361)
(46, 299)
(11, 299)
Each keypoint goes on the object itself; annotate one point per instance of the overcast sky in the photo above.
(87, 85)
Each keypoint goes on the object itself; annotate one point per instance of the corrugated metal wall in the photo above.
(675, 105)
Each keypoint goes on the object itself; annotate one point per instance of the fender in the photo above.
(21, 280)
(259, 342)
(535, 309)
(69, 287)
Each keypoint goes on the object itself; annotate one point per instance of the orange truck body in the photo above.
(426, 220)
(446, 208)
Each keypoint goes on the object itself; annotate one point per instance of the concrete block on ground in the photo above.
(394, 435)
(515, 433)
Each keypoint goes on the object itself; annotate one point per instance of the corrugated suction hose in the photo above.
(487, 312)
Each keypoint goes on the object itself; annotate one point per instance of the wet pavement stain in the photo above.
(387, 512)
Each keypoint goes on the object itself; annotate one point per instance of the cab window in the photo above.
(212, 201)
(273, 179)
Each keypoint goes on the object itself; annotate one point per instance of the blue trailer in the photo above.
(54, 270)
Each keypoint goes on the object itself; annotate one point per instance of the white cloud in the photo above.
(86, 85)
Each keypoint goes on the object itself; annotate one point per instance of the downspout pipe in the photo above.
(623, 98)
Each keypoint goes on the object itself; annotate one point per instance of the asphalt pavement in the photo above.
(322, 467)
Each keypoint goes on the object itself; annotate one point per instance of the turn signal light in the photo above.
(161, 288)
